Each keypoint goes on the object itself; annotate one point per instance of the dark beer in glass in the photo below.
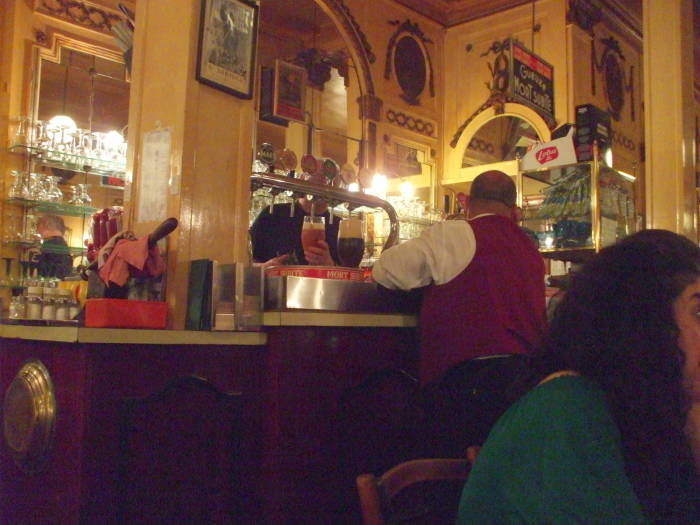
(351, 243)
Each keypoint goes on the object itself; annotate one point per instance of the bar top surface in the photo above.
(75, 334)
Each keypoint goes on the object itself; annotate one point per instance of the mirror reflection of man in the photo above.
(53, 257)
(276, 237)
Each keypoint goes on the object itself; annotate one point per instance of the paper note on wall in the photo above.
(154, 175)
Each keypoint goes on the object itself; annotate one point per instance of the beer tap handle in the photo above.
(274, 194)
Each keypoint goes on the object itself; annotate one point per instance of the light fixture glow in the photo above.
(627, 176)
(608, 157)
(407, 190)
(353, 186)
(63, 121)
(379, 186)
(113, 139)
(57, 128)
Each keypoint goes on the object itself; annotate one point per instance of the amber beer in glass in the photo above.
(314, 230)
(351, 243)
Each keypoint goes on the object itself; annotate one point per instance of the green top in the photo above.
(553, 457)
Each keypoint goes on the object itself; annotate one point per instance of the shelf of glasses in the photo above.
(73, 251)
(70, 161)
(56, 208)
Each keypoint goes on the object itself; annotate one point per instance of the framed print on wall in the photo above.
(227, 38)
(290, 87)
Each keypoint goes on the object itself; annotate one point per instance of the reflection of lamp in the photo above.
(353, 186)
(608, 157)
(63, 121)
(113, 139)
(379, 186)
(407, 190)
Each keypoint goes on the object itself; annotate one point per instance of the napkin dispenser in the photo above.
(236, 297)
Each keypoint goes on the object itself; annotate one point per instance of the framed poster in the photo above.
(227, 39)
(290, 87)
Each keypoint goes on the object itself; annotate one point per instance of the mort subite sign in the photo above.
(531, 80)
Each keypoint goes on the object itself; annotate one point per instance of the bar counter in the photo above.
(270, 427)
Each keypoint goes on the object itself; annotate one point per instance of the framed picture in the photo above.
(227, 39)
(290, 87)
(267, 97)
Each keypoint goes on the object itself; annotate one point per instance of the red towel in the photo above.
(132, 259)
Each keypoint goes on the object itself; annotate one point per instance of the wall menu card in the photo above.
(154, 175)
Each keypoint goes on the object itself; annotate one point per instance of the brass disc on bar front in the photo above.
(29, 416)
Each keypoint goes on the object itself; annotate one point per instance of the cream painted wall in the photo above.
(374, 18)
(670, 128)
(629, 129)
(467, 72)
(212, 143)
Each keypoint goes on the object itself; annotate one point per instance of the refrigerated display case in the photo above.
(576, 209)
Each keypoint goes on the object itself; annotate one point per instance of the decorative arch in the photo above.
(361, 52)
(509, 109)
(358, 45)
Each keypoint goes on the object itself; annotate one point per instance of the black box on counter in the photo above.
(592, 124)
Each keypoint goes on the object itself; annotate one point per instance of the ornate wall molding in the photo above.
(52, 42)
(411, 122)
(350, 19)
(615, 82)
(413, 29)
(476, 144)
(584, 14)
(623, 141)
(81, 13)
(370, 107)
(497, 87)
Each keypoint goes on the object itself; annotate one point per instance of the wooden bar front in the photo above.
(152, 427)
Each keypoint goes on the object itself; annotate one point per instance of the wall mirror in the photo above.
(75, 155)
(93, 91)
(502, 138)
(90, 86)
(299, 45)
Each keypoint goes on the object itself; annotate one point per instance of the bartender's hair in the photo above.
(616, 326)
(494, 185)
(53, 222)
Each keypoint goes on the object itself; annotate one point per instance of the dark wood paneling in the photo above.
(179, 456)
(296, 454)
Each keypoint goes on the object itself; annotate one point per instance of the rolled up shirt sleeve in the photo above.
(437, 256)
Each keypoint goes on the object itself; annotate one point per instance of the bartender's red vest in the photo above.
(495, 306)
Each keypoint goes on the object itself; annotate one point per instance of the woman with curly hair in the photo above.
(602, 435)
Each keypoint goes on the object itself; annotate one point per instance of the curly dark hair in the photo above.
(616, 326)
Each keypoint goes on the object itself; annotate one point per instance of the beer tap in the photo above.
(273, 192)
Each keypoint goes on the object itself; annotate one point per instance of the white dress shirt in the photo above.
(439, 255)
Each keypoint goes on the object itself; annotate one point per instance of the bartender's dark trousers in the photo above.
(461, 407)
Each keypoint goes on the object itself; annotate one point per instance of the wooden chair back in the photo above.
(378, 494)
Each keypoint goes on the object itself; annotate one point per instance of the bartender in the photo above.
(276, 236)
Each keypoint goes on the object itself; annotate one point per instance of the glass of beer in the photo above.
(351, 242)
(314, 230)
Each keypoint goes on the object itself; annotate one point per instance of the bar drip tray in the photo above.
(289, 292)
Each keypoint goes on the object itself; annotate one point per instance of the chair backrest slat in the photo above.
(375, 493)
